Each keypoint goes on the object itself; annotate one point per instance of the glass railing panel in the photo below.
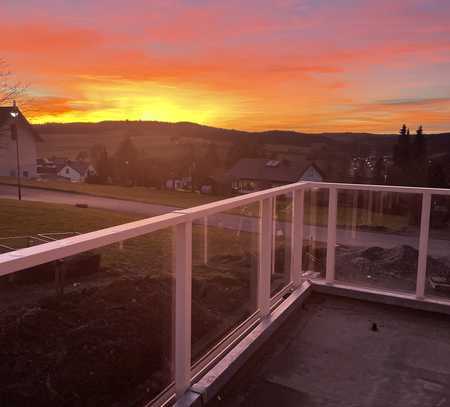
(92, 329)
(315, 233)
(224, 275)
(438, 261)
(282, 238)
(377, 238)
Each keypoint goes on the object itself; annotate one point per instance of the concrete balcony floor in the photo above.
(329, 353)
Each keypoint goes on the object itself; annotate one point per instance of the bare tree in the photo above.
(10, 88)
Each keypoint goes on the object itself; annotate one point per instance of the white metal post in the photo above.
(331, 239)
(423, 245)
(265, 256)
(183, 303)
(274, 233)
(297, 236)
(314, 220)
(205, 240)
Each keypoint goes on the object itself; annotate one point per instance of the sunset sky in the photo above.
(307, 65)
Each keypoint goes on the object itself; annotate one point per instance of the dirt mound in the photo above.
(391, 268)
(400, 259)
(104, 346)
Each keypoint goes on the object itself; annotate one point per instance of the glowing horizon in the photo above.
(310, 66)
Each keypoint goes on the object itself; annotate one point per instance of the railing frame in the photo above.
(181, 221)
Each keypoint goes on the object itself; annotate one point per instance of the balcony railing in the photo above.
(334, 233)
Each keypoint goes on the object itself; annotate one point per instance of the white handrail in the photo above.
(380, 188)
(47, 252)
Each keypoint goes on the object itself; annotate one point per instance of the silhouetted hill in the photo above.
(150, 136)
(180, 129)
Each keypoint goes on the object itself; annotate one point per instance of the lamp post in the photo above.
(15, 136)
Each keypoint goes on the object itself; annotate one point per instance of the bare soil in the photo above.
(108, 345)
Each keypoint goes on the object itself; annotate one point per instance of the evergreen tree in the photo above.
(404, 146)
(419, 164)
(420, 145)
(403, 172)
(102, 164)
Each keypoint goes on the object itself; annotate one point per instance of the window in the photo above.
(25, 174)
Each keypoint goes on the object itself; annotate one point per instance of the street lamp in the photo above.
(15, 136)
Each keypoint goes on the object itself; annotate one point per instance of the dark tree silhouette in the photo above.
(126, 158)
(404, 146)
(379, 170)
(102, 163)
(205, 166)
(82, 156)
(437, 177)
(244, 147)
(358, 173)
(420, 145)
(410, 159)
(419, 160)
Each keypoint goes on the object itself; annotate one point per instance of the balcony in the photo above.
(268, 289)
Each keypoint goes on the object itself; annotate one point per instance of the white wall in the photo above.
(70, 173)
(27, 152)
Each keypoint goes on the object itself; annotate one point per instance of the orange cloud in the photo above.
(309, 66)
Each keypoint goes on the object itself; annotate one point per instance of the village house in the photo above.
(255, 174)
(75, 171)
(27, 138)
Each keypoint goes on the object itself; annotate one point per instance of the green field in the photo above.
(139, 194)
(28, 218)
(146, 253)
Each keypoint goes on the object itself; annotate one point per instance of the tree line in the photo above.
(129, 166)
(410, 164)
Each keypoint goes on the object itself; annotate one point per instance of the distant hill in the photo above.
(156, 138)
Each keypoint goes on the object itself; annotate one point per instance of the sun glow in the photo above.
(102, 99)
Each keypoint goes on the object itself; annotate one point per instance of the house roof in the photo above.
(5, 118)
(271, 170)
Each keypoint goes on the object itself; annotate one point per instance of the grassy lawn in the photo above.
(29, 218)
(145, 254)
(139, 194)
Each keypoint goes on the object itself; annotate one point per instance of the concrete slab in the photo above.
(330, 353)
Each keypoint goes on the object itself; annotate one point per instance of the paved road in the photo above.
(437, 247)
(119, 205)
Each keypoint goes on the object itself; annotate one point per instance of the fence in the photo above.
(295, 231)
